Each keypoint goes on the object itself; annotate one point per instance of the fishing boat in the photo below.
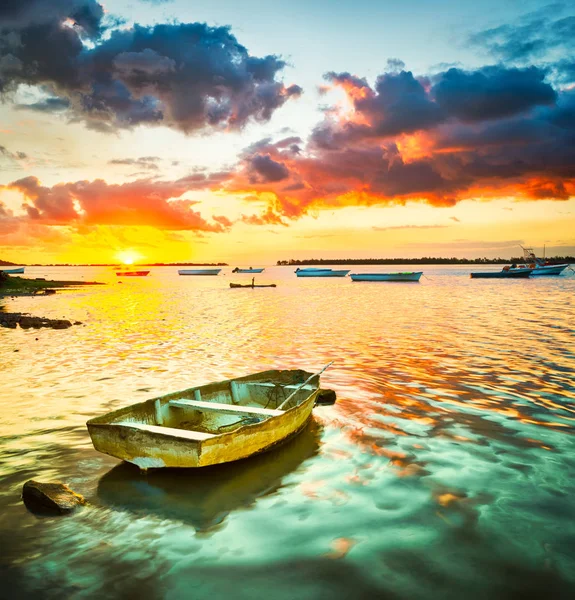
(198, 271)
(250, 270)
(210, 424)
(407, 276)
(540, 266)
(506, 273)
(320, 273)
(132, 273)
(17, 271)
(251, 285)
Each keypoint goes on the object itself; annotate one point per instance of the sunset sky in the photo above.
(249, 132)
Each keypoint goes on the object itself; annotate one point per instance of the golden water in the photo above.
(445, 470)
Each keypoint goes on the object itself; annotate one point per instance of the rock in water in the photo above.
(326, 397)
(54, 498)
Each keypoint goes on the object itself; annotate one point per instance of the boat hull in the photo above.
(132, 273)
(131, 435)
(549, 270)
(510, 274)
(249, 285)
(198, 271)
(17, 271)
(321, 273)
(412, 276)
(248, 270)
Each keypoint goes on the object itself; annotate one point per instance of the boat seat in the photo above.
(173, 431)
(285, 387)
(232, 409)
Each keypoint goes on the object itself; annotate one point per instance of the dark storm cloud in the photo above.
(491, 93)
(188, 76)
(486, 133)
(400, 103)
(265, 169)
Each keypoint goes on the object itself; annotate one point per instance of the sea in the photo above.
(445, 470)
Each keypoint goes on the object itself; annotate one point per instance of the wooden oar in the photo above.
(304, 383)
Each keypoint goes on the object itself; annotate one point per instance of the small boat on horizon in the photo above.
(314, 272)
(198, 271)
(210, 424)
(132, 273)
(506, 273)
(252, 285)
(406, 276)
(250, 270)
(15, 271)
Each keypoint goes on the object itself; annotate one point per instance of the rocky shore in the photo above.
(18, 286)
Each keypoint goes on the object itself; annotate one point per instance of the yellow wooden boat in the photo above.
(212, 424)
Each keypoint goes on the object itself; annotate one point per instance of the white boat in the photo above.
(539, 265)
(198, 271)
(211, 424)
(407, 276)
(250, 270)
(313, 272)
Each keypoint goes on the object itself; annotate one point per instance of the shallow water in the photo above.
(445, 470)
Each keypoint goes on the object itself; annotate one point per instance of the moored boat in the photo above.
(407, 276)
(505, 273)
(540, 266)
(250, 270)
(313, 272)
(132, 273)
(198, 271)
(211, 424)
(16, 271)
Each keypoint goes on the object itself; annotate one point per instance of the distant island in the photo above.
(425, 260)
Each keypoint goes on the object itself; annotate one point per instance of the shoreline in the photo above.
(13, 287)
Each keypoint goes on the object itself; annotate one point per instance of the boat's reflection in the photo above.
(204, 497)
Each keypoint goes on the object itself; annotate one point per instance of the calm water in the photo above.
(445, 470)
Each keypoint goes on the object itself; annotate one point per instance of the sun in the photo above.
(128, 257)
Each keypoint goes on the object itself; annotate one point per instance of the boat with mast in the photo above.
(540, 266)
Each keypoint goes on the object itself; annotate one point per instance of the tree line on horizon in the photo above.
(425, 260)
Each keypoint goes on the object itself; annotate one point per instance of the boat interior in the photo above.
(203, 412)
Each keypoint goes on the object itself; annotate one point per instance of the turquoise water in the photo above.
(445, 470)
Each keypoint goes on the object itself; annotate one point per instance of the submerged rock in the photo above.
(51, 498)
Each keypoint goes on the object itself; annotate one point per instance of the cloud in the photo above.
(456, 135)
(15, 156)
(48, 105)
(534, 36)
(187, 76)
(491, 92)
(140, 202)
(144, 162)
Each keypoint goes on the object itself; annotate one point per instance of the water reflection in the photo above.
(443, 471)
(204, 497)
